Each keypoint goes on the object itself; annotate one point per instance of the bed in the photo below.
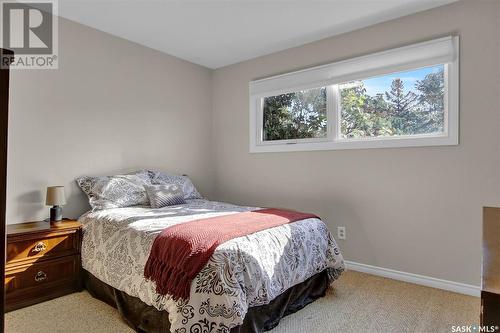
(248, 285)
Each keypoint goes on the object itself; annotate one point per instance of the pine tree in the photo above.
(431, 100)
(402, 108)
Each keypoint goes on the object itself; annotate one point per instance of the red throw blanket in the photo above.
(181, 251)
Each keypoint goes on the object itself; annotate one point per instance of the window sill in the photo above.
(369, 143)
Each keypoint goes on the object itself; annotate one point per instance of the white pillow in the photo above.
(163, 178)
(105, 192)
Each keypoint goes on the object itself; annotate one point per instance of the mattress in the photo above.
(244, 272)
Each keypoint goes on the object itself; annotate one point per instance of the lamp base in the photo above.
(57, 224)
(56, 214)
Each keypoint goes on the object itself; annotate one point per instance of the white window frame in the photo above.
(442, 51)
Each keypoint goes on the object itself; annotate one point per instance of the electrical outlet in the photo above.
(341, 233)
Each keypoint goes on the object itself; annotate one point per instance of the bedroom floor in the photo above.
(358, 303)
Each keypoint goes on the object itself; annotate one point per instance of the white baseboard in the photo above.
(462, 288)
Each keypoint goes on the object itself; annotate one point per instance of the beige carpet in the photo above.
(358, 303)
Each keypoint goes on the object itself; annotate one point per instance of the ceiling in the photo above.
(219, 33)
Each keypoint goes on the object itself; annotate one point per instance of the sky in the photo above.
(380, 84)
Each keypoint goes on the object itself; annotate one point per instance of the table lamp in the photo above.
(55, 198)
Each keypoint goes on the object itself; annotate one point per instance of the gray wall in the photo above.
(411, 209)
(113, 106)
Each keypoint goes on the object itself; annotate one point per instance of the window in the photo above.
(398, 98)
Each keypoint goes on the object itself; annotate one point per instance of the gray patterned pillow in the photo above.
(117, 191)
(162, 178)
(165, 195)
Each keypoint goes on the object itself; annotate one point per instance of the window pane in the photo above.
(404, 103)
(298, 115)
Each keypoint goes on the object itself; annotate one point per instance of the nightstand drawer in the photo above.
(46, 247)
(37, 282)
(43, 274)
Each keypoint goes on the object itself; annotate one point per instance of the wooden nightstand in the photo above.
(42, 262)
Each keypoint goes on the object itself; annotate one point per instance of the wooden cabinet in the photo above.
(42, 262)
(490, 293)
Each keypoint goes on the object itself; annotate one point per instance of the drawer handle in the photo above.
(40, 276)
(39, 247)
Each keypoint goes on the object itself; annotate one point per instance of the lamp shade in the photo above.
(55, 196)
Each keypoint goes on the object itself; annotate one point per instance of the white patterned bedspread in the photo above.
(243, 272)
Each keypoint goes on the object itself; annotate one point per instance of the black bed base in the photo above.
(147, 319)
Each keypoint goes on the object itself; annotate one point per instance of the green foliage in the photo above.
(297, 115)
(395, 112)
(363, 115)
